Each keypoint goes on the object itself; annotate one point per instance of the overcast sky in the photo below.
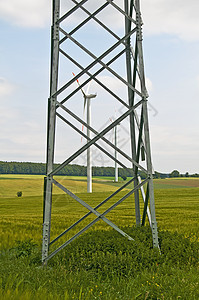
(171, 47)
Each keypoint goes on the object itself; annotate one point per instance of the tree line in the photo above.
(69, 170)
(77, 170)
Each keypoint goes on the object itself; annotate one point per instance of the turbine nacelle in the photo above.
(86, 95)
(90, 96)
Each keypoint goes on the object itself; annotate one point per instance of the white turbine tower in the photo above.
(115, 143)
(87, 101)
(116, 166)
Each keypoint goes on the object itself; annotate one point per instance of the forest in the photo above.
(78, 170)
(70, 170)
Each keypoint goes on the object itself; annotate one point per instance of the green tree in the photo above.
(19, 194)
(175, 173)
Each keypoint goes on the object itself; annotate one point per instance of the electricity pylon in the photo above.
(122, 22)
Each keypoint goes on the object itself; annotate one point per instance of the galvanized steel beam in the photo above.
(51, 128)
(146, 125)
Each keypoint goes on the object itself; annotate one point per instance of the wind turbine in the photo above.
(87, 101)
(116, 166)
(115, 142)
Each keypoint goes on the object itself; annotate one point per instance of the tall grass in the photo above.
(100, 264)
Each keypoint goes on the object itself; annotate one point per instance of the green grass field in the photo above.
(32, 185)
(86, 270)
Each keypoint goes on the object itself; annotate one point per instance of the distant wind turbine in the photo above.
(115, 142)
(87, 101)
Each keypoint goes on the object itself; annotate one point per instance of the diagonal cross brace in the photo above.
(97, 133)
(96, 138)
(91, 16)
(92, 77)
(96, 207)
(98, 21)
(86, 137)
(144, 199)
(97, 60)
(94, 221)
(94, 211)
(71, 11)
(121, 11)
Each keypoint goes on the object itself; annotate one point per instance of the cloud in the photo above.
(6, 88)
(29, 13)
(180, 152)
(178, 18)
(179, 141)
(149, 84)
(22, 137)
(197, 81)
(111, 82)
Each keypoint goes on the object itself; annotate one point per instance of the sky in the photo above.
(171, 47)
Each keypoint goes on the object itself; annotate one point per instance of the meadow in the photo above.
(100, 264)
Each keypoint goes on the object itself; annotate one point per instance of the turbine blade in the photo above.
(88, 87)
(79, 85)
(82, 131)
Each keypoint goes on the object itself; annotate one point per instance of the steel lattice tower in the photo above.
(74, 22)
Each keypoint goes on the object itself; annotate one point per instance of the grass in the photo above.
(100, 264)
(32, 185)
(168, 183)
